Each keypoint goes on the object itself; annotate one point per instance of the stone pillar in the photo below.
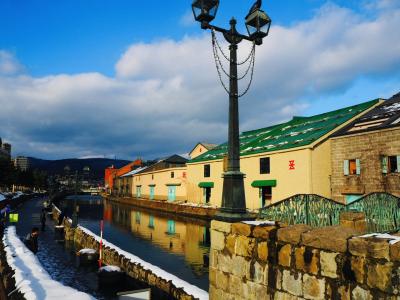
(354, 219)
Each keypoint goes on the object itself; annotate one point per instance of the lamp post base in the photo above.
(229, 217)
(233, 199)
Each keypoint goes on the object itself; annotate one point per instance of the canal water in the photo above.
(176, 244)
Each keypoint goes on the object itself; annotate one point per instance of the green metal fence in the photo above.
(382, 211)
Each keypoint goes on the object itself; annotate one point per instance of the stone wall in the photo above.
(369, 148)
(299, 262)
(161, 288)
(179, 209)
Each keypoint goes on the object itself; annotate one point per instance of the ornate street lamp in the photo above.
(258, 23)
(205, 10)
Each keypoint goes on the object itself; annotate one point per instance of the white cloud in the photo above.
(165, 96)
(187, 19)
(8, 63)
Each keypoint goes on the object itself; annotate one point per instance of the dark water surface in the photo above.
(178, 245)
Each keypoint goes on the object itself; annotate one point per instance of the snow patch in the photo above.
(258, 223)
(30, 277)
(110, 269)
(393, 239)
(87, 251)
(2, 198)
(392, 108)
(179, 283)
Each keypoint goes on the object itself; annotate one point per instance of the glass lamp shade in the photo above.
(258, 24)
(205, 10)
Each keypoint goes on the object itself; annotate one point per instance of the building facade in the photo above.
(366, 154)
(5, 150)
(278, 161)
(164, 180)
(200, 149)
(22, 163)
(112, 173)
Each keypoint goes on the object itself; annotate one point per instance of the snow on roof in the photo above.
(2, 197)
(133, 172)
(30, 277)
(298, 132)
(179, 283)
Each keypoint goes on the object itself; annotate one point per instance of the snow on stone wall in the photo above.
(30, 277)
(179, 283)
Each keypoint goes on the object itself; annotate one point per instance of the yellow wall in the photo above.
(196, 175)
(198, 150)
(289, 182)
(322, 170)
(160, 179)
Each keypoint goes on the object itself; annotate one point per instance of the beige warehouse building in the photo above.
(279, 161)
(164, 180)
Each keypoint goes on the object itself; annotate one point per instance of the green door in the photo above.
(138, 191)
(171, 193)
(171, 227)
(152, 193)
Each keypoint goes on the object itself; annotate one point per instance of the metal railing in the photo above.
(382, 211)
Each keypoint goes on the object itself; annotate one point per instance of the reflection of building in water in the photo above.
(188, 239)
(174, 236)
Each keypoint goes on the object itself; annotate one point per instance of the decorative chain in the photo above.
(253, 49)
(216, 59)
(220, 66)
(251, 76)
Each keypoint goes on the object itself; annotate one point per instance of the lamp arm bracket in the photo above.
(235, 38)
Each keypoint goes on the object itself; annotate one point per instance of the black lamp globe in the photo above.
(258, 24)
(205, 10)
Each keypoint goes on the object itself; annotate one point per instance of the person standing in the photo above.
(43, 219)
(31, 240)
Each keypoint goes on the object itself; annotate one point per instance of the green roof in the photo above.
(298, 132)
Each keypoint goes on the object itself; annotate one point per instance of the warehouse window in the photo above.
(206, 170)
(264, 165)
(352, 167)
(391, 164)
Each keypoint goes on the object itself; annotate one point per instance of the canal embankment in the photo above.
(23, 275)
(171, 286)
(179, 208)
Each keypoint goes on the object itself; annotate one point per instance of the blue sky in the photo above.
(51, 37)
(146, 75)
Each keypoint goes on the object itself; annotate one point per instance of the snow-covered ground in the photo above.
(18, 194)
(179, 283)
(30, 277)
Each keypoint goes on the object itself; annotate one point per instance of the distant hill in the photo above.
(96, 165)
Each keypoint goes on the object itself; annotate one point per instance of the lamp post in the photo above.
(258, 24)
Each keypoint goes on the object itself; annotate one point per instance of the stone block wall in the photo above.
(369, 148)
(299, 262)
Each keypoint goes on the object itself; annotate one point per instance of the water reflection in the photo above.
(176, 244)
(175, 236)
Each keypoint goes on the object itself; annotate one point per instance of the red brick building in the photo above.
(111, 173)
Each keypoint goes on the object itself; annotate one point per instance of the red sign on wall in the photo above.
(291, 165)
